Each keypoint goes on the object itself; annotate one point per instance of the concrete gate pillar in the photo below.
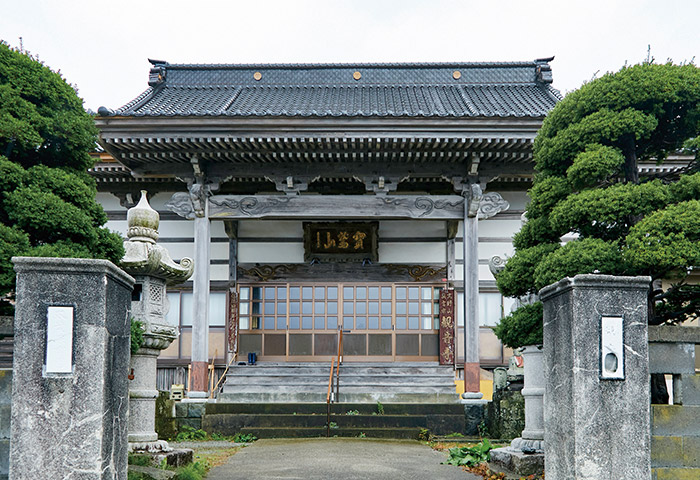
(597, 401)
(71, 361)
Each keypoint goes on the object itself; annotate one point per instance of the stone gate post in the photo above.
(597, 401)
(71, 361)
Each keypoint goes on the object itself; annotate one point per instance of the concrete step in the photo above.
(388, 379)
(399, 433)
(359, 382)
(230, 424)
(348, 419)
(320, 398)
(220, 408)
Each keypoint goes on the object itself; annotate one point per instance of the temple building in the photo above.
(367, 198)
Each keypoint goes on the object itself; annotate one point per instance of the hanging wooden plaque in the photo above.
(233, 321)
(340, 241)
(447, 326)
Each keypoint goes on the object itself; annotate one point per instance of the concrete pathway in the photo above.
(338, 459)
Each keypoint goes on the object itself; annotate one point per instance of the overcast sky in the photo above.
(102, 47)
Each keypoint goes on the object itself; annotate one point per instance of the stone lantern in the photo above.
(153, 269)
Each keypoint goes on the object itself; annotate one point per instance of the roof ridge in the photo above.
(203, 86)
(243, 66)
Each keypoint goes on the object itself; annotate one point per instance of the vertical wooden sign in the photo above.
(233, 321)
(447, 326)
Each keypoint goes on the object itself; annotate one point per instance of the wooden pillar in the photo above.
(471, 288)
(200, 315)
(231, 228)
(452, 226)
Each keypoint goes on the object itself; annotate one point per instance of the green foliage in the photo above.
(143, 460)
(352, 412)
(47, 199)
(244, 438)
(380, 408)
(470, 456)
(522, 327)
(589, 255)
(536, 231)
(42, 120)
(424, 434)
(516, 278)
(137, 332)
(190, 434)
(587, 183)
(666, 240)
(193, 471)
(597, 164)
(483, 429)
(608, 213)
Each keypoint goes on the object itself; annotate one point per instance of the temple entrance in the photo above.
(381, 322)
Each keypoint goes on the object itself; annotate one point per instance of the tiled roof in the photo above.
(371, 90)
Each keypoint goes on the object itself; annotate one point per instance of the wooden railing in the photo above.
(335, 364)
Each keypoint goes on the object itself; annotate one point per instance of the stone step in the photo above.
(230, 424)
(398, 433)
(344, 389)
(359, 382)
(320, 398)
(220, 408)
(388, 379)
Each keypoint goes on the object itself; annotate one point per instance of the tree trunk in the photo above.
(629, 150)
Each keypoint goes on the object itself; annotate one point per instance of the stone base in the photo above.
(511, 461)
(158, 446)
(527, 445)
(152, 472)
(173, 457)
(176, 458)
(474, 417)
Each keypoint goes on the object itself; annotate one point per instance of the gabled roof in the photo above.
(515, 89)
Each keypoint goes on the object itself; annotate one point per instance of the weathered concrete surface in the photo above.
(596, 428)
(73, 424)
(339, 459)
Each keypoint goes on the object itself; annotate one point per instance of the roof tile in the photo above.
(384, 90)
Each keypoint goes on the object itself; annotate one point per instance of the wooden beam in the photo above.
(376, 272)
(443, 207)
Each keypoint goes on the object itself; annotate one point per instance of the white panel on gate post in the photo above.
(612, 360)
(59, 340)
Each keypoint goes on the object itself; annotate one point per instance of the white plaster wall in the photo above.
(412, 252)
(266, 252)
(118, 226)
(409, 229)
(498, 228)
(270, 229)
(176, 228)
(108, 201)
(517, 200)
(218, 272)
